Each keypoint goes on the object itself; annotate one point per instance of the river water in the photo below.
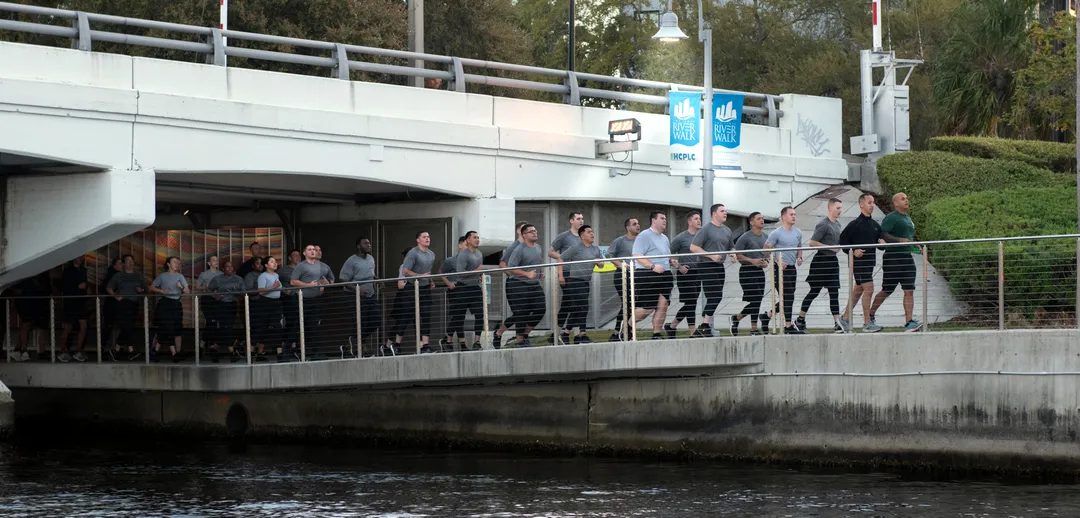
(290, 481)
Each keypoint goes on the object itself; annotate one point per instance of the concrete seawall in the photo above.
(987, 400)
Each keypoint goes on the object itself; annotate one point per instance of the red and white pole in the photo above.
(875, 18)
(223, 22)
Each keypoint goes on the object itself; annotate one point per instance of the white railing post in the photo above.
(416, 313)
(52, 330)
(359, 350)
(770, 284)
(146, 327)
(97, 327)
(7, 333)
(486, 333)
(850, 312)
(1001, 285)
(632, 322)
(247, 326)
(195, 309)
(925, 288)
(300, 312)
(625, 296)
(782, 321)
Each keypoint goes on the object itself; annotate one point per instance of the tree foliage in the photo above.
(1044, 104)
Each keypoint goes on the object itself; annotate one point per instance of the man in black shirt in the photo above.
(862, 231)
(73, 284)
(249, 265)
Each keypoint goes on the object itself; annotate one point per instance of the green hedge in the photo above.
(930, 175)
(1040, 275)
(1055, 156)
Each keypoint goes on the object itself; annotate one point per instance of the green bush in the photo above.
(930, 175)
(1040, 275)
(1056, 156)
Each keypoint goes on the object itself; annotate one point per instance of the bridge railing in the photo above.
(342, 58)
(1007, 283)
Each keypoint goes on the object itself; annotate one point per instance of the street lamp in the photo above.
(670, 32)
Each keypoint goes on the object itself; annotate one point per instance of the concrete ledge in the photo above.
(563, 363)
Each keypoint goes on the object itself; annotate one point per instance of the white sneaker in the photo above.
(79, 357)
(64, 357)
(24, 357)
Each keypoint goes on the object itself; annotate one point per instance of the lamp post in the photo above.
(670, 32)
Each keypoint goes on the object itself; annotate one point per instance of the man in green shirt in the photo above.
(897, 265)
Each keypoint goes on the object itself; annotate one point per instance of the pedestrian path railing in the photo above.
(342, 59)
(983, 284)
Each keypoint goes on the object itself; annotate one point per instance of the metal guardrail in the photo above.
(996, 283)
(213, 47)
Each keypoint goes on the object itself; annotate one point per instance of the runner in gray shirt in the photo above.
(787, 236)
(464, 295)
(361, 267)
(225, 287)
(510, 249)
(309, 275)
(687, 276)
(562, 243)
(576, 280)
(713, 237)
(417, 269)
(652, 275)
(825, 266)
(752, 267)
(622, 246)
(523, 290)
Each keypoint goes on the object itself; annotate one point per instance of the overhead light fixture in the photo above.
(669, 28)
(186, 211)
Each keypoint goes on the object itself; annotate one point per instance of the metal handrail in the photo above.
(488, 271)
(214, 49)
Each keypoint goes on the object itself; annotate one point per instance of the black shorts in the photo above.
(649, 286)
(824, 272)
(33, 311)
(76, 309)
(864, 268)
(898, 268)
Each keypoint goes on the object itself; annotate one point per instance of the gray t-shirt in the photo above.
(167, 281)
(650, 243)
(205, 277)
(285, 276)
(467, 261)
(681, 245)
(449, 265)
(327, 272)
(226, 285)
(509, 250)
(526, 255)
(749, 241)
(580, 253)
(781, 238)
(126, 284)
(419, 262)
(251, 280)
(712, 238)
(358, 268)
(308, 272)
(564, 241)
(827, 232)
(622, 246)
(267, 280)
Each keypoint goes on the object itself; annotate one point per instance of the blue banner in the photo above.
(684, 111)
(727, 120)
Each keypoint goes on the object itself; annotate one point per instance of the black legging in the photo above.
(576, 293)
(752, 281)
(266, 321)
(225, 335)
(527, 303)
(127, 310)
(712, 282)
(789, 278)
(689, 284)
(464, 299)
(290, 309)
(169, 315)
(824, 273)
(405, 310)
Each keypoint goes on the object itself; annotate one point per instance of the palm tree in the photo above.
(975, 72)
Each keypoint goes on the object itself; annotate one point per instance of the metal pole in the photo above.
(416, 312)
(707, 174)
(7, 319)
(300, 309)
(223, 24)
(1078, 275)
(416, 40)
(52, 331)
(625, 298)
(1076, 131)
(782, 321)
(1001, 285)
(633, 310)
(97, 326)
(866, 91)
(771, 286)
(556, 326)
(925, 287)
(570, 47)
(247, 326)
(851, 288)
(359, 353)
(484, 299)
(146, 327)
(195, 306)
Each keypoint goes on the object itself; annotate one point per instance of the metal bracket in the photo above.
(217, 43)
(82, 28)
(342, 56)
(770, 106)
(574, 97)
(456, 68)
